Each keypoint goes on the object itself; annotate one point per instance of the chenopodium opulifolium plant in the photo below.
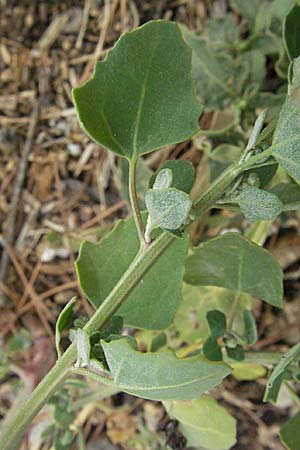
(141, 98)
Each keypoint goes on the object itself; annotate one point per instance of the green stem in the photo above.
(134, 201)
(143, 261)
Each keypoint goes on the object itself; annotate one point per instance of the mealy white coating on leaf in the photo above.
(83, 348)
(168, 208)
(163, 179)
(257, 204)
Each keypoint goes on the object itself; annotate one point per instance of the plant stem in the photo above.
(143, 261)
(134, 201)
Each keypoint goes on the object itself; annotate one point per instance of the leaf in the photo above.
(286, 139)
(168, 208)
(163, 179)
(63, 322)
(256, 130)
(216, 322)
(212, 72)
(158, 342)
(244, 371)
(204, 423)
(280, 373)
(257, 204)
(183, 174)
(141, 96)
(289, 433)
(100, 266)
(250, 327)
(246, 9)
(237, 353)
(221, 31)
(83, 348)
(291, 28)
(288, 194)
(234, 262)
(211, 349)
(190, 320)
(161, 376)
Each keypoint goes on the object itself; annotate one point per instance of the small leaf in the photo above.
(211, 349)
(250, 327)
(289, 433)
(83, 348)
(256, 130)
(237, 353)
(291, 29)
(257, 204)
(63, 322)
(244, 371)
(168, 208)
(158, 342)
(286, 139)
(183, 174)
(141, 96)
(161, 376)
(204, 423)
(280, 373)
(163, 179)
(217, 323)
(228, 261)
(100, 266)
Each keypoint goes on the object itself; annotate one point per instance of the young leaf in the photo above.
(204, 423)
(168, 208)
(211, 349)
(237, 353)
(289, 433)
(163, 179)
(250, 327)
(216, 322)
(83, 348)
(291, 29)
(158, 342)
(286, 137)
(256, 130)
(161, 376)
(100, 266)
(257, 204)
(63, 322)
(183, 174)
(280, 373)
(141, 96)
(228, 261)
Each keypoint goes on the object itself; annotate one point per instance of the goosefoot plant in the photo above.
(141, 98)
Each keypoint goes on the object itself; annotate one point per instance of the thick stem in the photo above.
(145, 258)
(134, 201)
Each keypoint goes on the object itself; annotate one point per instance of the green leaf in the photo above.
(161, 376)
(289, 433)
(237, 353)
(288, 194)
(216, 322)
(212, 350)
(280, 373)
(183, 174)
(250, 327)
(204, 423)
(244, 371)
(246, 9)
(100, 266)
(168, 208)
(236, 263)
(158, 342)
(257, 204)
(291, 29)
(141, 96)
(83, 348)
(63, 322)
(286, 139)
(20, 341)
(212, 72)
(256, 130)
(190, 320)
